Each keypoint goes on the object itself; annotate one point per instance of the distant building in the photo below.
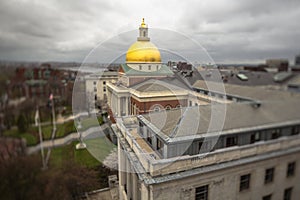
(279, 64)
(297, 60)
(296, 67)
(41, 82)
(95, 85)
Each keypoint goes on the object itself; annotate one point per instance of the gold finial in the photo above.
(143, 23)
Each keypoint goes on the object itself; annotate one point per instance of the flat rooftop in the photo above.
(215, 118)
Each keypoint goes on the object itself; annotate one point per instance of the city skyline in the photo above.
(231, 31)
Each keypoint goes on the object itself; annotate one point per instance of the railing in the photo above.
(177, 164)
(158, 166)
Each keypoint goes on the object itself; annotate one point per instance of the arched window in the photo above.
(144, 33)
(168, 107)
(156, 109)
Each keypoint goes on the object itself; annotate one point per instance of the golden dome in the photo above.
(143, 51)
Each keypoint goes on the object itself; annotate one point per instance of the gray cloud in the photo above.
(230, 30)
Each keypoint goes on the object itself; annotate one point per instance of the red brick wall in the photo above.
(145, 106)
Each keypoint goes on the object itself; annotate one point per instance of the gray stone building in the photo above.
(246, 149)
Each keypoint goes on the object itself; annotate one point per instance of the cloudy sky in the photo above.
(232, 31)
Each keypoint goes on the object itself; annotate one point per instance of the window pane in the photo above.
(245, 182)
(202, 193)
(287, 194)
(290, 169)
(267, 197)
(269, 175)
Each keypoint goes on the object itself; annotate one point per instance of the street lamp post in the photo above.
(81, 144)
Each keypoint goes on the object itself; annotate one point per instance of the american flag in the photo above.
(36, 118)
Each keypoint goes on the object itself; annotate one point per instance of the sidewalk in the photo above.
(67, 139)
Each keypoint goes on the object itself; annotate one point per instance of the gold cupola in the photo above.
(143, 51)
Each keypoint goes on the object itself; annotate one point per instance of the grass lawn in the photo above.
(14, 132)
(66, 153)
(100, 147)
(97, 150)
(61, 130)
(32, 138)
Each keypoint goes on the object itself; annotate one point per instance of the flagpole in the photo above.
(54, 129)
(53, 117)
(38, 123)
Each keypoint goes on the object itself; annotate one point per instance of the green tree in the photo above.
(22, 178)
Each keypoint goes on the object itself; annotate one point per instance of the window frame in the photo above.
(229, 143)
(287, 195)
(267, 197)
(276, 133)
(295, 130)
(255, 137)
(269, 175)
(290, 171)
(201, 192)
(245, 181)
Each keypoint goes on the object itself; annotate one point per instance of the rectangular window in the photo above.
(275, 134)
(202, 193)
(149, 67)
(104, 82)
(245, 182)
(95, 82)
(140, 67)
(200, 146)
(295, 130)
(267, 197)
(287, 194)
(149, 137)
(104, 89)
(231, 141)
(204, 146)
(269, 175)
(159, 145)
(255, 137)
(290, 169)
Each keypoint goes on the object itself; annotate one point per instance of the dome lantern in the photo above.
(143, 32)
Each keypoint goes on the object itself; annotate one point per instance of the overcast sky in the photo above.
(232, 31)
